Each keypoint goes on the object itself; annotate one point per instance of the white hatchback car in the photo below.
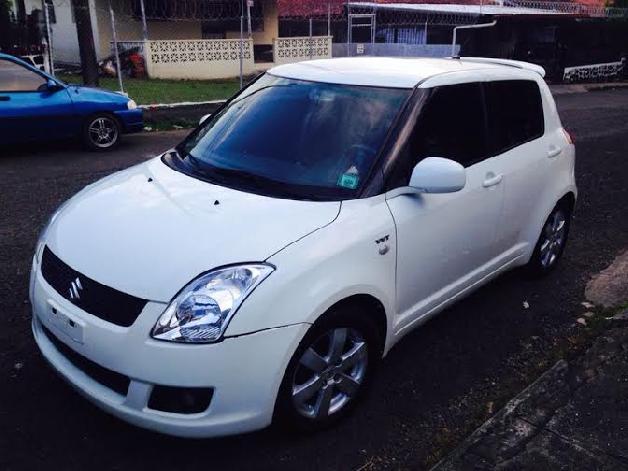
(262, 268)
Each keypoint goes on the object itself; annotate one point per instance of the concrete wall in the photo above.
(64, 38)
(288, 50)
(198, 59)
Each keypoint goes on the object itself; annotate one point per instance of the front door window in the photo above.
(17, 78)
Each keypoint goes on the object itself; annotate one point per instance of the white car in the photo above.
(262, 268)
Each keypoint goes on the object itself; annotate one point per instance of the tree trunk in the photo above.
(85, 35)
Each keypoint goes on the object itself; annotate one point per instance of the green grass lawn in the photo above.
(148, 92)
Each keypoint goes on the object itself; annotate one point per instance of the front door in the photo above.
(445, 241)
(28, 110)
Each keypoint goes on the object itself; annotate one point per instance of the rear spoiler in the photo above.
(507, 62)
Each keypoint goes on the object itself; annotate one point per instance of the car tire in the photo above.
(552, 241)
(101, 132)
(337, 382)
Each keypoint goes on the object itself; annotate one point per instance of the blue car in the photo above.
(35, 106)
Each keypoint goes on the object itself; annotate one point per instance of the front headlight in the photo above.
(201, 312)
(131, 105)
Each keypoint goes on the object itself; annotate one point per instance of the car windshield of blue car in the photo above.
(293, 138)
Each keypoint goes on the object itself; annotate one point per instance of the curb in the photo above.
(506, 428)
(537, 430)
(183, 115)
(183, 104)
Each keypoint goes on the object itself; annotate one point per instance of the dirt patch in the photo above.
(609, 288)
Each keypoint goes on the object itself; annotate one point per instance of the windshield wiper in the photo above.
(241, 179)
(253, 181)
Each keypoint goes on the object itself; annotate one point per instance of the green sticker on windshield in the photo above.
(348, 180)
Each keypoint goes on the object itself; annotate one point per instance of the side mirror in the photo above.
(53, 86)
(438, 175)
(204, 118)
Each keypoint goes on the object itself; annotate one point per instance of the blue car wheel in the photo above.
(101, 132)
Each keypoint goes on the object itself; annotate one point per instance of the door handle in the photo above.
(554, 152)
(492, 180)
(5, 98)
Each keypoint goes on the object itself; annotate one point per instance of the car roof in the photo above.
(25, 64)
(394, 72)
(8, 56)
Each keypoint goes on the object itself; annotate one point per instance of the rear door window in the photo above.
(514, 113)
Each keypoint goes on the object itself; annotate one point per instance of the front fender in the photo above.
(331, 264)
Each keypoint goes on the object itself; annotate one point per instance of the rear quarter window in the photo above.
(514, 113)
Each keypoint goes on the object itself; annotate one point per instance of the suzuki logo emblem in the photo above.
(75, 289)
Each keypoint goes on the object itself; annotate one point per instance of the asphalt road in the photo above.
(434, 388)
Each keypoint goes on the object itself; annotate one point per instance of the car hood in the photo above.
(81, 93)
(150, 230)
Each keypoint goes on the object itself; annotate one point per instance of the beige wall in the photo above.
(271, 25)
(128, 29)
(174, 30)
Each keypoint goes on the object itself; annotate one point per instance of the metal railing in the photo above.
(124, 46)
(573, 8)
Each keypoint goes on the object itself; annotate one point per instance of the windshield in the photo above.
(293, 138)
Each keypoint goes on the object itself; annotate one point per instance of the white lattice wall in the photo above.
(594, 72)
(198, 59)
(286, 50)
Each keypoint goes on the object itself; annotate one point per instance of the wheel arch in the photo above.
(109, 113)
(568, 198)
(367, 303)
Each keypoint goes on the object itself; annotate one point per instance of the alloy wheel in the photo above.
(103, 132)
(329, 373)
(554, 234)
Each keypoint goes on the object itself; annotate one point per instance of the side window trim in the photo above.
(487, 134)
(392, 166)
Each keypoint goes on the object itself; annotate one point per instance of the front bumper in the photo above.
(132, 120)
(245, 372)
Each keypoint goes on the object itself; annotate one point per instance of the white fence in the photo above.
(286, 50)
(198, 59)
(594, 72)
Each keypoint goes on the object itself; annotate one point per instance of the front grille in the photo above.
(110, 379)
(94, 298)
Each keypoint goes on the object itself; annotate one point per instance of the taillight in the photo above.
(568, 136)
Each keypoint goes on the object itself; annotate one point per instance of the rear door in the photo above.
(520, 153)
(28, 110)
(445, 241)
